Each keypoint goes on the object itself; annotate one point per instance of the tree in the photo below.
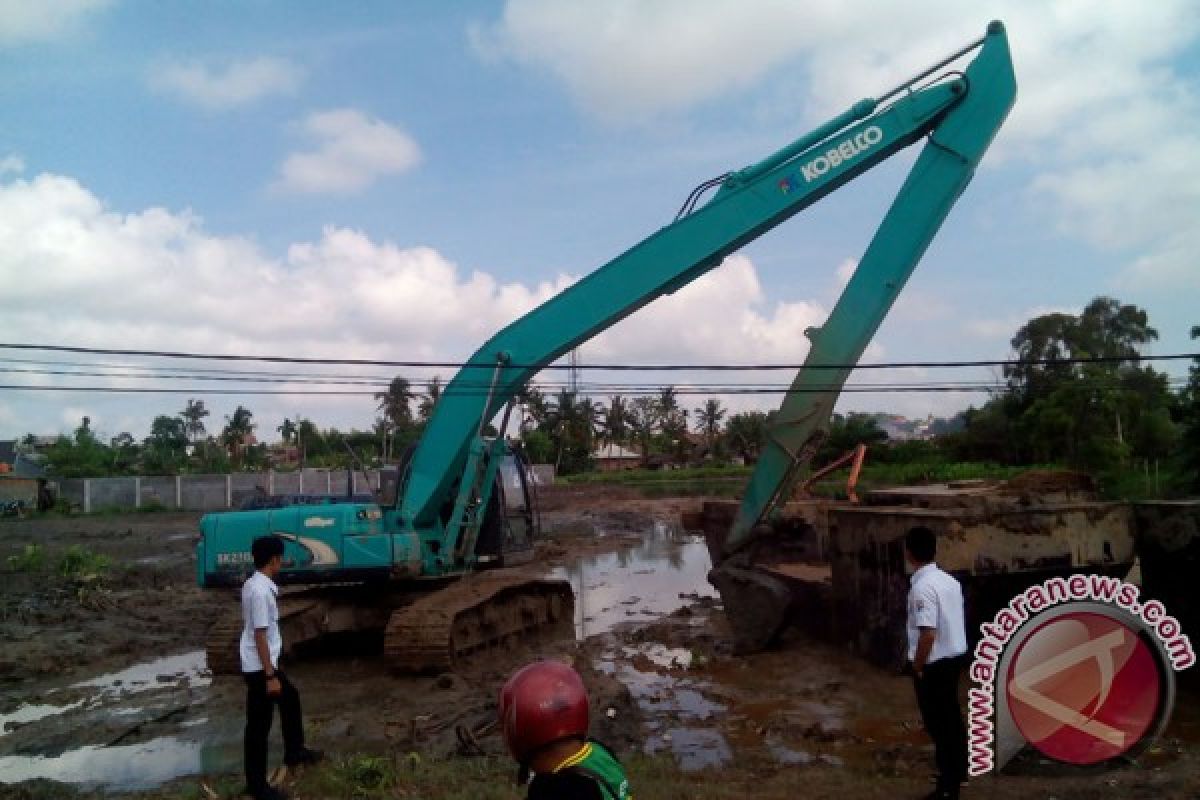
(1092, 415)
(747, 433)
(167, 433)
(239, 428)
(643, 421)
(534, 408)
(429, 400)
(1189, 418)
(193, 417)
(287, 430)
(80, 456)
(124, 451)
(308, 439)
(673, 422)
(164, 450)
(615, 423)
(571, 422)
(847, 432)
(708, 421)
(396, 407)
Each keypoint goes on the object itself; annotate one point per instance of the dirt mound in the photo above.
(1044, 481)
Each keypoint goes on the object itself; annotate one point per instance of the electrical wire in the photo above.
(611, 367)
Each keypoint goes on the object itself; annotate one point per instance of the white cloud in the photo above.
(1105, 122)
(845, 271)
(1004, 328)
(11, 164)
(721, 317)
(238, 83)
(28, 21)
(351, 151)
(156, 279)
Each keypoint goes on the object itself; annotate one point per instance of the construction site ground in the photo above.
(103, 688)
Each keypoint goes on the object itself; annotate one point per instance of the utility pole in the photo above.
(573, 372)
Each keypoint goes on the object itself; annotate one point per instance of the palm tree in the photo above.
(535, 410)
(616, 420)
(193, 417)
(238, 428)
(429, 401)
(287, 430)
(395, 404)
(643, 420)
(708, 420)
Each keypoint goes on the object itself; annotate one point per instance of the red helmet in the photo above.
(542, 703)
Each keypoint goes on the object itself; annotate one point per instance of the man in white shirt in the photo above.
(937, 647)
(266, 685)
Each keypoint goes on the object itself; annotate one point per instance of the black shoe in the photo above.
(305, 756)
(268, 793)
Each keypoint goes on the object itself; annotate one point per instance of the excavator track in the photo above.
(482, 611)
(221, 649)
(223, 646)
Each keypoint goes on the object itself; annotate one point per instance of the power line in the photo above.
(613, 367)
(848, 389)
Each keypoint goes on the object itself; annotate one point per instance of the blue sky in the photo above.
(397, 181)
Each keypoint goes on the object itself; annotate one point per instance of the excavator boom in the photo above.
(959, 112)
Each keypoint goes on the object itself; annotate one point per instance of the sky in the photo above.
(399, 181)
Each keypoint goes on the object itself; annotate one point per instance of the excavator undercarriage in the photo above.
(426, 628)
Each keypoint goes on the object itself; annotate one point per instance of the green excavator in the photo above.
(433, 562)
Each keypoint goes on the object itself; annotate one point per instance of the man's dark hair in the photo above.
(264, 549)
(921, 543)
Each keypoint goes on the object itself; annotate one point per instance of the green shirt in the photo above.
(595, 762)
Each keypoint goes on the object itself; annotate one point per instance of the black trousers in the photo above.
(260, 709)
(937, 697)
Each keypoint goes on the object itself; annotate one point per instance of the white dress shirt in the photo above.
(259, 610)
(935, 601)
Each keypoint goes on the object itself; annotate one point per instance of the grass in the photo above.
(80, 564)
(407, 776)
(730, 480)
(32, 558)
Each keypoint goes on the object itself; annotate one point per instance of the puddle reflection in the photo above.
(637, 583)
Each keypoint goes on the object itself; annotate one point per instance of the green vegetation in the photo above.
(653, 777)
(1076, 396)
(80, 564)
(32, 558)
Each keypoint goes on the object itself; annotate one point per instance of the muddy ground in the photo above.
(103, 685)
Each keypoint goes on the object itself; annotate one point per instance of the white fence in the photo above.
(219, 492)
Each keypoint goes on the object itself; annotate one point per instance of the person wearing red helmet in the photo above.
(544, 719)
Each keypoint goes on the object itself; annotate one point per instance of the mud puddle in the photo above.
(662, 572)
(133, 728)
(619, 592)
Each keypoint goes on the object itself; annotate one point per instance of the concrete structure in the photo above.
(844, 564)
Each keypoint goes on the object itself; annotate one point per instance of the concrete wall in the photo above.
(203, 492)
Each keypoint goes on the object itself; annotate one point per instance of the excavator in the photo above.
(435, 561)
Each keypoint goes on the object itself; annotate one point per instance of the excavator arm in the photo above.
(451, 471)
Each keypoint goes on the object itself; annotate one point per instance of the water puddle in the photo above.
(188, 666)
(694, 748)
(136, 766)
(140, 701)
(662, 573)
(112, 692)
(638, 583)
